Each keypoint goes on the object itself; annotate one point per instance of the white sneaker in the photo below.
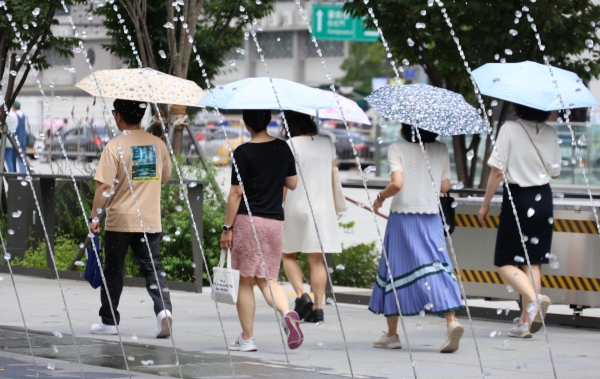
(453, 336)
(520, 331)
(100, 328)
(386, 342)
(240, 344)
(163, 320)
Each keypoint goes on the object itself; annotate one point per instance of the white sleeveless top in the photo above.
(416, 195)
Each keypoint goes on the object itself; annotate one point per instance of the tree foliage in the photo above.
(365, 61)
(218, 30)
(484, 31)
(25, 34)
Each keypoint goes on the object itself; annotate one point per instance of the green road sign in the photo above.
(330, 22)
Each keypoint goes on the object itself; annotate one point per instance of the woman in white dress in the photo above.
(316, 158)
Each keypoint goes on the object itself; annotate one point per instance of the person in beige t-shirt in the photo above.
(140, 161)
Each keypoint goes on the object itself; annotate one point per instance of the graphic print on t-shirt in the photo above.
(143, 163)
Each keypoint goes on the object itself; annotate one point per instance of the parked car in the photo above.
(85, 141)
(364, 145)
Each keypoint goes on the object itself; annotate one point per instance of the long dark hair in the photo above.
(426, 135)
(298, 123)
(531, 114)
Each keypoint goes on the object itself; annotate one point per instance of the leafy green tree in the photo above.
(488, 32)
(164, 44)
(365, 60)
(25, 33)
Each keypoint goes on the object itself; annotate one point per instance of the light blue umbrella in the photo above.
(530, 84)
(257, 93)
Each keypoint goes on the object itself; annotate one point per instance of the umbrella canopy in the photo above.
(142, 84)
(257, 93)
(431, 108)
(529, 83)
(352, 112)
(55, 123)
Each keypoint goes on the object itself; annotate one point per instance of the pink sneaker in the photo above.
(292, 329)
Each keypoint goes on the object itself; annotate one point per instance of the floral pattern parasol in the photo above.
(142, 84)
(431, 108)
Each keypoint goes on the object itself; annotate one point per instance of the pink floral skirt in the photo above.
(245, 255)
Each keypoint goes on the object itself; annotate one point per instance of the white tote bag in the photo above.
(226, 281)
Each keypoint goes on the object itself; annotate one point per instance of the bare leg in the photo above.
(318, 278)
(537, 277)
(450, 316)
(521, 283)
(246, 305)
(392, 323)
(293, 272)
(281, 300)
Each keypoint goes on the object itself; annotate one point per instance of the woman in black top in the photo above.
(265, 165)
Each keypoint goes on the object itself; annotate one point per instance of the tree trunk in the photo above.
(460, 160)
(178, 122)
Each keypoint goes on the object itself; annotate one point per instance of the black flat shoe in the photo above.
(303, 305)
(315, 316)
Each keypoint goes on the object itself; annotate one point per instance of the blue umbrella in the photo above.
(530, 84)
(257, 93)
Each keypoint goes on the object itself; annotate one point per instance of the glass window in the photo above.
(275, 45)
(54, 59)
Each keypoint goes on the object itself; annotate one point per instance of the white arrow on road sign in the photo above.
(319, 20)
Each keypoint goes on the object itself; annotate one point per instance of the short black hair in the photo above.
(426, 135)
(298, 123)
(257, 119)
(531, 114)
(132, 111)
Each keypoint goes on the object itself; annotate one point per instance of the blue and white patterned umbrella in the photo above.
(431, 108)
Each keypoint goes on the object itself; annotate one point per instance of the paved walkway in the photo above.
(200, 343)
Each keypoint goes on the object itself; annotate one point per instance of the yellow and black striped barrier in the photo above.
(560, 225)
(562, 282)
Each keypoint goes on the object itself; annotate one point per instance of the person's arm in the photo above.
(492, 185)
(291, 182)
(233, 204)
(284, 193)
(390, 190)
(99, 200)
(445, 187)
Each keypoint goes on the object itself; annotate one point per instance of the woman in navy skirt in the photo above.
(414, 242)
(528, 153)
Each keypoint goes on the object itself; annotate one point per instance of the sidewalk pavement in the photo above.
(201, 348)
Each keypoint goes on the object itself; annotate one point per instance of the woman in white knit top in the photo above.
(414, 241)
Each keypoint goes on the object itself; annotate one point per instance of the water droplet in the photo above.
(162, 54)
(454, 204)
(11, 232)
(79, 263)
(458, 186)
(166, 238)
(169, 25)
(508, 52)
(1, 278)
(519, 259)
(13, 72)
(589, 43)
(542, 174)
(420, 25)
(505, 343)
(509, 289)
(498, 311)
(422, 313)
(538, 197)
(153, 286)
(329, 300)
(90, 16)
(166, 289)
(55, 349)
(369, 169)
(446, 290)
(419, 325)
(106, 194)
(35, 12)
(349, 231)
(440, 247)
(7, 256)
(494, 333)
(518, 14)
(550, 220)
(427, 286)
(58, 334)
(470, 154)
(50, 367)
(496, 56)
(414, 364)
(17, 214)
(134, 337)
(178, 208)
(530, 212)
(486, 375)
(559, 195)
(320, 323)
(131, 358)
(192, 185)
(340, 267)
(555, 265)
(428, 306)
(513, 32)
(320, 344)
(582, 141)
(410, 42)
(149, 362)
(534, 240)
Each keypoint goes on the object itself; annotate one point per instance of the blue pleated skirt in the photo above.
(419, 263)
